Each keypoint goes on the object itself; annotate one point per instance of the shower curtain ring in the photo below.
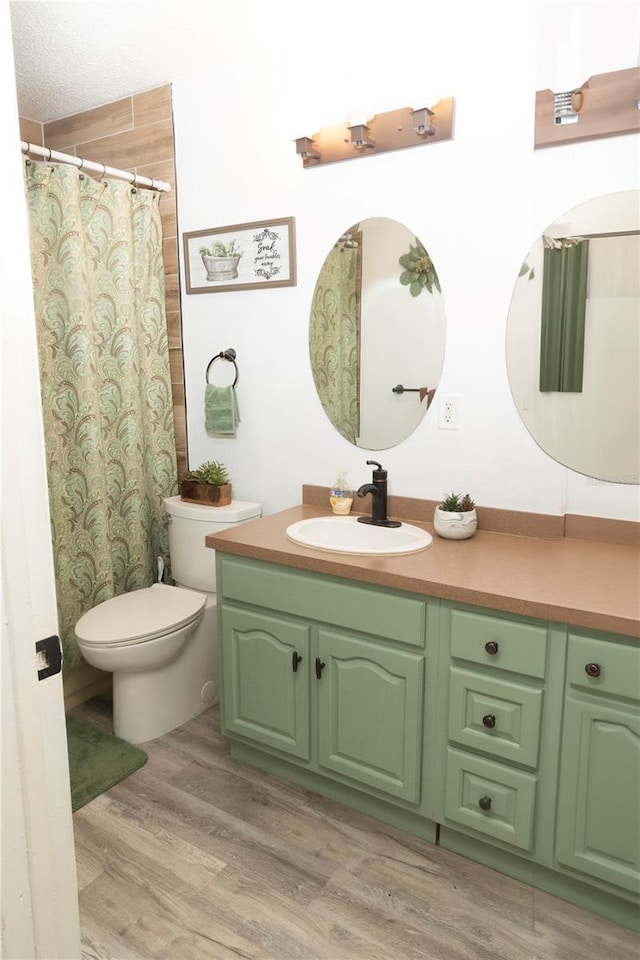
(49, 157)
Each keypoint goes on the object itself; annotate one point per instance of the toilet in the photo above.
(160, 642)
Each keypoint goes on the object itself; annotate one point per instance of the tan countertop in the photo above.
(588, 583)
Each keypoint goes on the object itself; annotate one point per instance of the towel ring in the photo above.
(229, 355)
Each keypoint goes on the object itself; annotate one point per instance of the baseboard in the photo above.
(84, 683)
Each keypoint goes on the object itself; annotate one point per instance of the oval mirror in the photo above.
(376, 333)
(573, 339)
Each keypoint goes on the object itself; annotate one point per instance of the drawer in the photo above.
(497, 716)
(367, 610)
(604, 666)
(499, 642)
(490, 798)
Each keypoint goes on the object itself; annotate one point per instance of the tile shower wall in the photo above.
(134, 133)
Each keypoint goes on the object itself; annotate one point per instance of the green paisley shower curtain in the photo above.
(96, 249)
(334, 340)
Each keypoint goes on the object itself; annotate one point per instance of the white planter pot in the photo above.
(221, 268)
(455, 526)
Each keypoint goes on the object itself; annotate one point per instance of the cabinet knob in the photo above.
(319, 667)
(491, 647)
(593, 669)
(489, 720)
(484, 803)
(295, 660)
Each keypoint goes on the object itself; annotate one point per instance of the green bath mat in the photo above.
(97, 760)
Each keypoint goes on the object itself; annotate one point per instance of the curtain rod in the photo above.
(133, 178)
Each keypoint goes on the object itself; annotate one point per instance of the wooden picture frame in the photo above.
(243, 256)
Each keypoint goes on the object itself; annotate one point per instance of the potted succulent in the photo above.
(456, 518)
(221, 260)
(209, 484)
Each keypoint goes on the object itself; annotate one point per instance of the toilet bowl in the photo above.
(160, 642)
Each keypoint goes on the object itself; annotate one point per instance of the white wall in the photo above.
(477, 202)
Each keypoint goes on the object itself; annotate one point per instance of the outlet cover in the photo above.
(449, 412)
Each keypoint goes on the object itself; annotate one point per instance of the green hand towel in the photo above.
(220, 409)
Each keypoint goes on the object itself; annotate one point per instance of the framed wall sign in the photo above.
(244, 256)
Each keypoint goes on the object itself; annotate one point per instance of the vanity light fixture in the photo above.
(422, 122)
(567, 106)
(364, 136)
(606, 105)
(304, 147)
(357, 124)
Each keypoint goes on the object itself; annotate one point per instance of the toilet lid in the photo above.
(140, 615)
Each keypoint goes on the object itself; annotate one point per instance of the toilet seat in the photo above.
(145, 614)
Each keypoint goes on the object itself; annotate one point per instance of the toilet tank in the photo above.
(192, 563)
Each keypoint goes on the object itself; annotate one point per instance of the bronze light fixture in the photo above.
(362, 136)
(605, 105)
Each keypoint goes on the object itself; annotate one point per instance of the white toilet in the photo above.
(160, 642)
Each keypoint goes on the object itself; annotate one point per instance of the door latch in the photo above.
(49, 657)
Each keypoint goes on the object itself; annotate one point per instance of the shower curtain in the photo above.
(96, 250)
(334, 340)
(564, 305)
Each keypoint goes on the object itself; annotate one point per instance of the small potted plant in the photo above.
(221, 260)
(209, 484)
(456, 518)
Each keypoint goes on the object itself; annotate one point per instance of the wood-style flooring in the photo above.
(199, 857)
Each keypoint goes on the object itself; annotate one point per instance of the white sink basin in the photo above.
(346, 535)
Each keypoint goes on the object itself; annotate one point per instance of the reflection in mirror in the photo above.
(573, 339)
(377, 322)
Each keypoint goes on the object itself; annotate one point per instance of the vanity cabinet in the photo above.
(369, 710)
(598, 830)
(493, 671)
(325, 672)
(266, 680)
(506, 739)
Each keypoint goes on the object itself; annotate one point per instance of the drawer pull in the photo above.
(295, 660)
(491, 647)
(319, 667)
(489, 721)
(484, 803)
(593, 669)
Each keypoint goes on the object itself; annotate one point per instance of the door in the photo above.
(39, 887)
(599, 798)
(266, 679)
(370, 713)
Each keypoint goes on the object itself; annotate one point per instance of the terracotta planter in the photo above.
(205, 493)
(221, 268)
(455, 526)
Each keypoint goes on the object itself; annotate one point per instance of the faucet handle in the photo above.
(380, 474)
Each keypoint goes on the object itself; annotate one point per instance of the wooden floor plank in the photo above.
(199, 857)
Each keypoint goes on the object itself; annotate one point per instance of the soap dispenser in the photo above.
(341, 496)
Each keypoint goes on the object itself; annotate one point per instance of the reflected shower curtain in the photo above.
(564, 303)
(334, 340)
(96, 250)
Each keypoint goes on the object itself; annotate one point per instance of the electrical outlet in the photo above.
(448, 412)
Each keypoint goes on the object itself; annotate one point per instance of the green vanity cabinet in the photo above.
(598, 831)
(327, 672)
(370, 713)
(493, 686)
(509, 740)
(266, 679)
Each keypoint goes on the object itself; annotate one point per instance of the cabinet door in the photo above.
(599, 798)
(265, 685)
(369, 713)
